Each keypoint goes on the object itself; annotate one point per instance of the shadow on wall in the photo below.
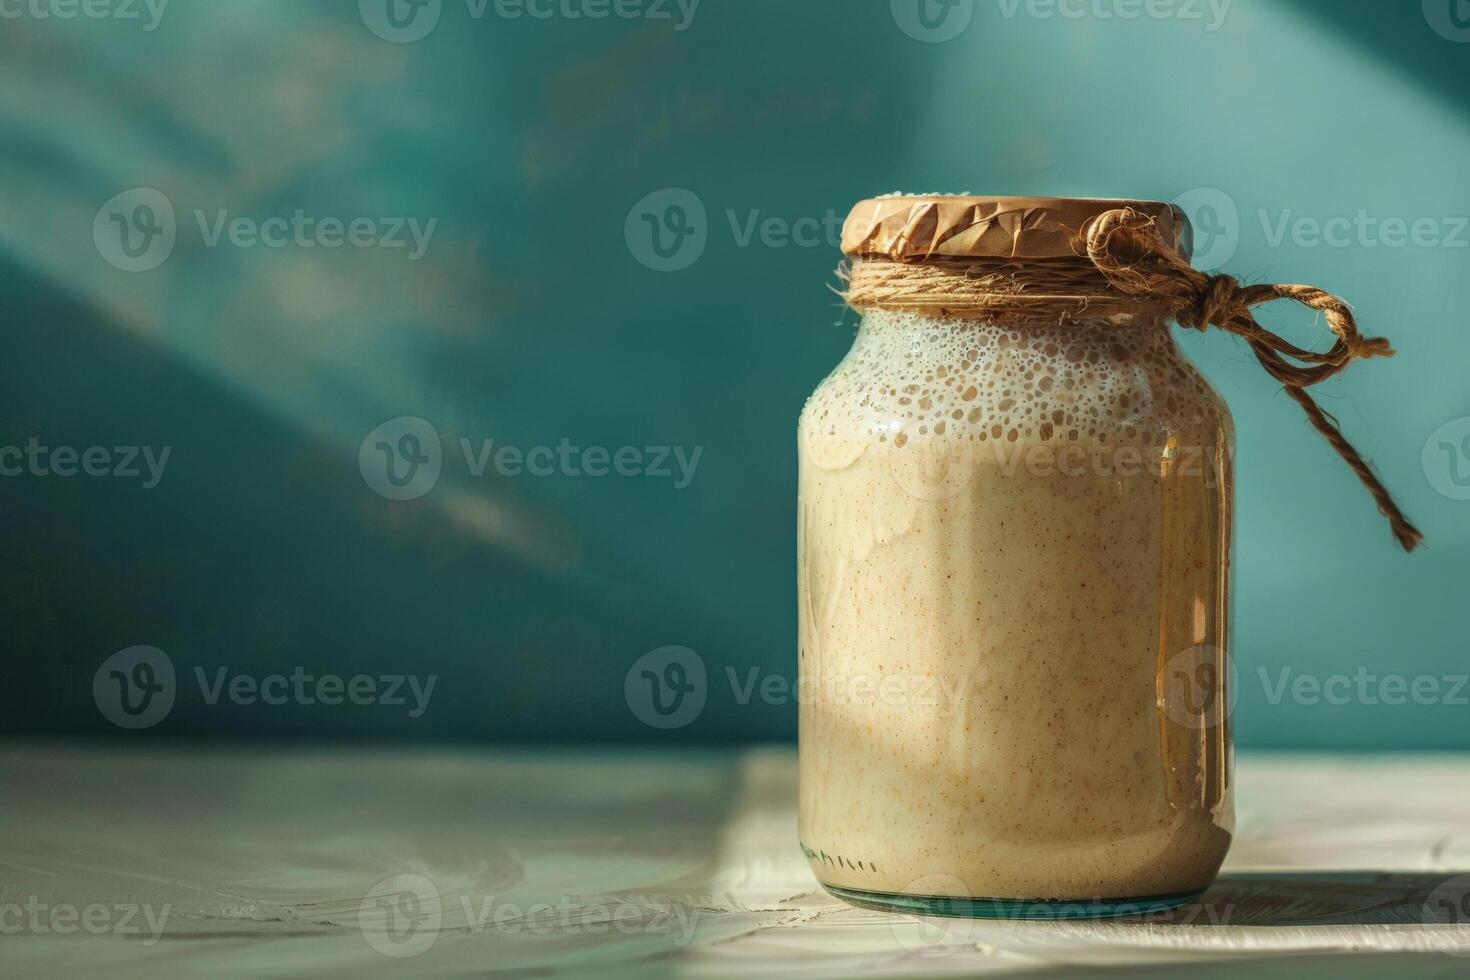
(1395, 32)
(260, 550)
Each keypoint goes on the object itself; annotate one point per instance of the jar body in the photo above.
(1013, 559)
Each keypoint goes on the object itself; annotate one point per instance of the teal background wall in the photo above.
(534, 316)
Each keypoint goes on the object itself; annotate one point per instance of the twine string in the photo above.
(1129, 270)
(1127, 249)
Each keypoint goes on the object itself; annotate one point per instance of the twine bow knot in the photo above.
(1219, 300)
(1127, 249)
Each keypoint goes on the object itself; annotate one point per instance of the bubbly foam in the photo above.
(913, 378)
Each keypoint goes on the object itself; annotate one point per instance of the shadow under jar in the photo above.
(1014, 540)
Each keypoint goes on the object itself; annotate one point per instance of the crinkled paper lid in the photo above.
(910, 228)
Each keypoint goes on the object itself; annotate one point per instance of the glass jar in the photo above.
(1014, 543)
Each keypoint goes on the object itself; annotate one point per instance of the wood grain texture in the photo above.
(186, 863)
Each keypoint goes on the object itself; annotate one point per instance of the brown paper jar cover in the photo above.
(913, 228)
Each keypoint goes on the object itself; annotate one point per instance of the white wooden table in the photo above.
(156, 863)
